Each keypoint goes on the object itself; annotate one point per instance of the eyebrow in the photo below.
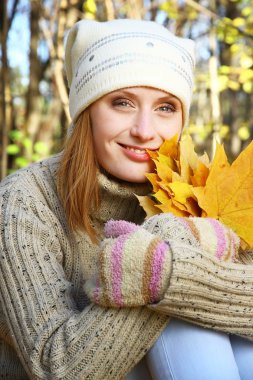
(130, 93)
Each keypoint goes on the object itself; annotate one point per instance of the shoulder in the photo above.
(34, 179)
(31, 214)
(32, 188)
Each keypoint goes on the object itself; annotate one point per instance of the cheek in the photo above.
(97, 139)
(102, 142)
(170, 131)
(98, 143)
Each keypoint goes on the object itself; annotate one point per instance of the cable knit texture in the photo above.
(48, 327)
(208, 234)
(209, 285)
(130, 274)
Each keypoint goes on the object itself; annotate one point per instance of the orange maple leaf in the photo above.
(188, 185)
(177, 170)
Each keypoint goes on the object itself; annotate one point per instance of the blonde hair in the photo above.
(77, 183)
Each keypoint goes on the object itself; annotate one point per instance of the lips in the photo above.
(136, 149)
(135, 153)
(140, 151)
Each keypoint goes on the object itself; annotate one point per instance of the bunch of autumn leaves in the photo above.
(186, 184)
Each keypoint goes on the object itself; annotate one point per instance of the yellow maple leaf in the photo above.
(169, 206)
(187, 151)
(182, 191)
(161, 196)
(200, 175)
(228, 193)
(153, 179)
(188, 185)
(170, 147)
(192, 207)
(148, 205)
(191, 165)
(164, 172)
(177, 169)
(213, 201)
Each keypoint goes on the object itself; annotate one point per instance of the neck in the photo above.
(118, 199)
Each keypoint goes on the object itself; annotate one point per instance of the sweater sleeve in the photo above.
(52, 338)
(212, 293)
(200, 277)
(208, 284)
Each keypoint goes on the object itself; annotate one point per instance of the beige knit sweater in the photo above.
(48, 328)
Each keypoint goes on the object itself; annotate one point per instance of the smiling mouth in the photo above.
(136, 150)
(140, 151)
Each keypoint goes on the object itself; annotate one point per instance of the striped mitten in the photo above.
(133, 269)
(206, 233)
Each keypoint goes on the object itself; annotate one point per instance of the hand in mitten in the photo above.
(133, 268)
(207, 233)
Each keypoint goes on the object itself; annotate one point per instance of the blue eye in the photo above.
(121, 103)
(167, 108)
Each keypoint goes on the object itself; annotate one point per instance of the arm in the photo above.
(208, 292)
(52, 338)
(208, 285)
(205, 285)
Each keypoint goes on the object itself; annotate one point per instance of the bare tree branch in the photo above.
(58, 69)
(13, 12)
(200, 8)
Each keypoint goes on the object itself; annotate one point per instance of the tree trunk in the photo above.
(214, 91)
(230, 98)
(135, 9)
(109, 9)
(33, 101)
(6, 93)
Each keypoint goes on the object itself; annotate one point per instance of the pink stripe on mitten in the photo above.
(221, 239)
(115, 228)
(157, 269)
(96, 291)
(116, 269)
(133, 268)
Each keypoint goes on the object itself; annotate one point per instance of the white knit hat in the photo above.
(101, 57)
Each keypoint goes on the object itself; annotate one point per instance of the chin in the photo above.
(134, 173)
(133, 179)
(141, 178)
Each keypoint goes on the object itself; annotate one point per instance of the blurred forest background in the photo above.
(34, 113)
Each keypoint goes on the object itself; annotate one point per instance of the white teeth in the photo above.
(136, 150)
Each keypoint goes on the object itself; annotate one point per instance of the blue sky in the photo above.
(18, 38)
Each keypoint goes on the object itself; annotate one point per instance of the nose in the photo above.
(143, 126)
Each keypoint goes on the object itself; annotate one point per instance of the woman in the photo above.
(130, 89)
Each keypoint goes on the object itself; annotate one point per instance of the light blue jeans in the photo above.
(188, 352)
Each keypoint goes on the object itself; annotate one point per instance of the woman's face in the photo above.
(127, 122)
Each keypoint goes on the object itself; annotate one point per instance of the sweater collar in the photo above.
(118, 199)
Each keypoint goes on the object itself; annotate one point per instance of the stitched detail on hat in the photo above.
(118, 36)
(127, 58)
